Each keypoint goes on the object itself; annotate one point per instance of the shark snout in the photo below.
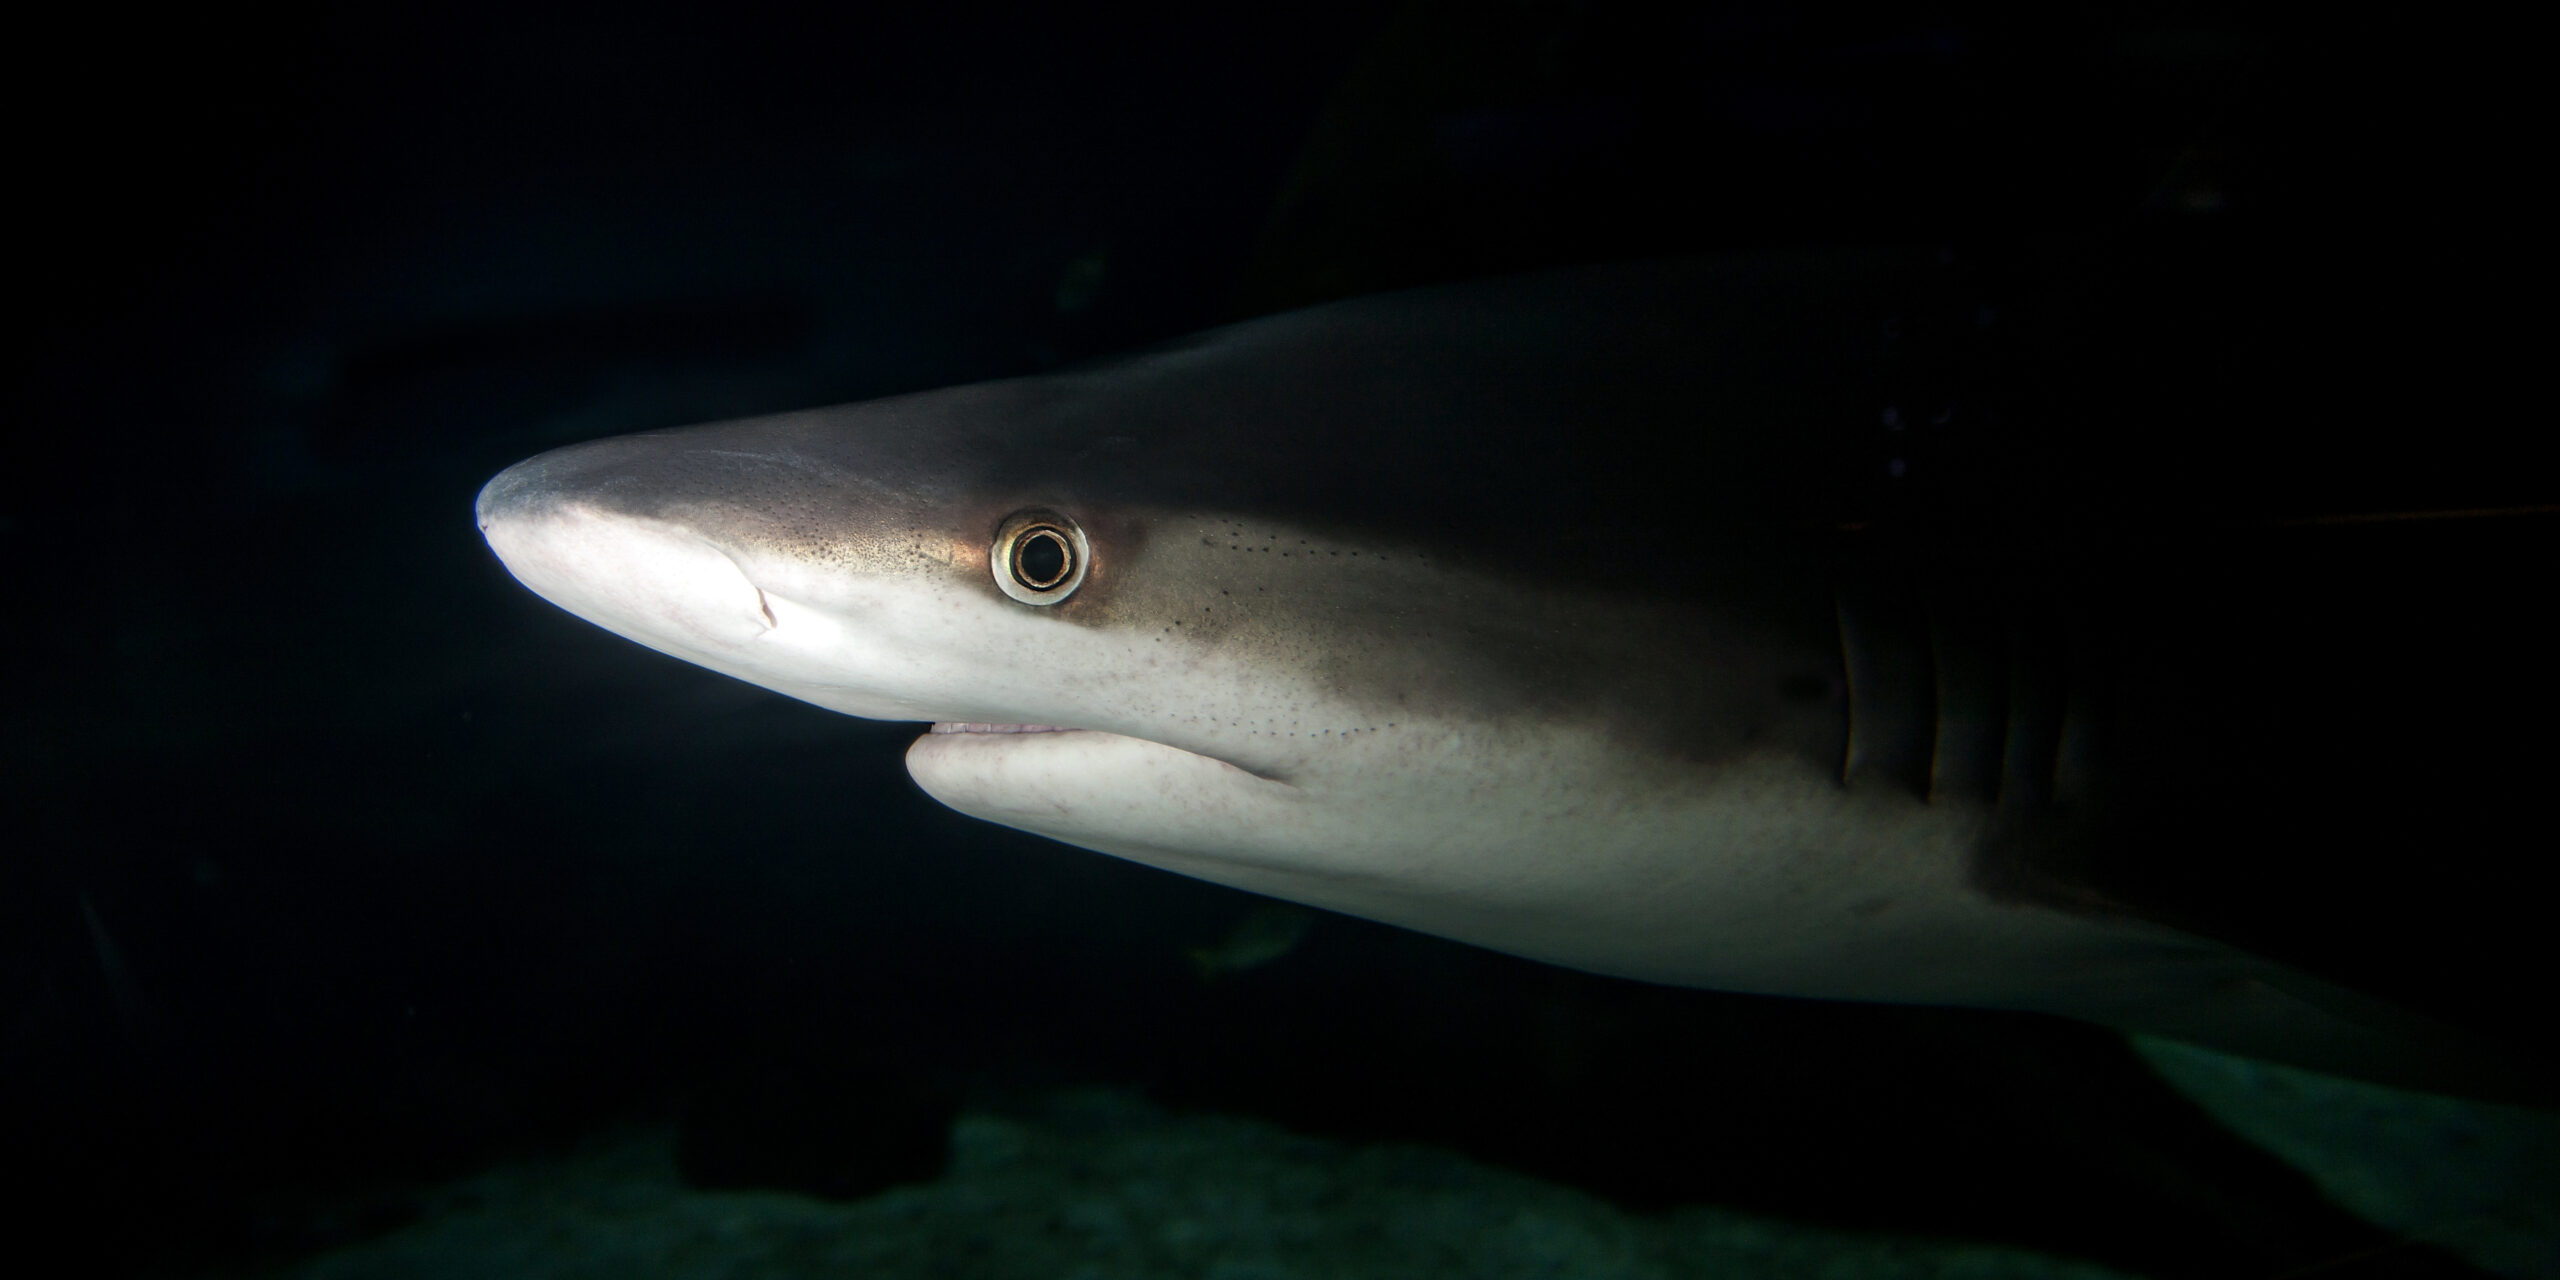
(658, 583)
(521, 489)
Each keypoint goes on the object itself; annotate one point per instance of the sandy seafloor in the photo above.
(1095, 1184)
(1102, 1185)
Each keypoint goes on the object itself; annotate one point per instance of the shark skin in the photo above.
(1580, 615)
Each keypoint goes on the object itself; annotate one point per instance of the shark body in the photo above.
(1569, 615)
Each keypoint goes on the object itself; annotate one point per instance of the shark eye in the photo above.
(1039, 556)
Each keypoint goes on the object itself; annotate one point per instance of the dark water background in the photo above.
(336, 861)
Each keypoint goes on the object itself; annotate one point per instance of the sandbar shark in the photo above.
(1583, 615)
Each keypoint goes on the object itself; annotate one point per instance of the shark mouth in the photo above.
(966, 728)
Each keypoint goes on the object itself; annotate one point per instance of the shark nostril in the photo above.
(765, 607)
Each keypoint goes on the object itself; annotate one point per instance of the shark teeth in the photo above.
(951, 727)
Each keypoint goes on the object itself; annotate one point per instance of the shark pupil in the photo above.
(1039, 556)
(1042, 558)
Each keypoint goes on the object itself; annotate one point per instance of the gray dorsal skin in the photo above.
(1566, 615)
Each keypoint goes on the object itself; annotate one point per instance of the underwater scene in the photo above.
(1419, 640)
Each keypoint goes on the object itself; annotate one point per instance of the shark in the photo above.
(1711, 623)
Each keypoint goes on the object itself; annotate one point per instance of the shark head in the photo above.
(1511, 613)
(1338, 710)
(1324, 606)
